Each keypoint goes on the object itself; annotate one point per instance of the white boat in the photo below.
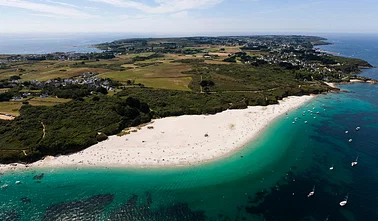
(331, 168)
(345, 201)
(4, 186)
(346, 132)
(312, 192)
(358, 128)
(350, 140)
(354, 163)
(18, 182)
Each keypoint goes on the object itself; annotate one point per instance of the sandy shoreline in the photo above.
(176, 141)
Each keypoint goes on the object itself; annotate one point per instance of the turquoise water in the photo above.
(258, 181)
(267, 180)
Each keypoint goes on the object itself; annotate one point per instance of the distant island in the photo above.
(62, 103)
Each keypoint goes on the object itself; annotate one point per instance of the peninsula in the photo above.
(93, 105)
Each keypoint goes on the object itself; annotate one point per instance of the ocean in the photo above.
(49, 43)
(268, 180)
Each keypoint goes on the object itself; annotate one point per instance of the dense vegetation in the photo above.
(224, 87)
(69, 127)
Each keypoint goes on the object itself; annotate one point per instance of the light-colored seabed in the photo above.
(175, 141)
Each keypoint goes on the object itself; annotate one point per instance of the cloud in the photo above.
(46, 15)
(45, 8)
(163, 6)
(63, 3)
(182, 14)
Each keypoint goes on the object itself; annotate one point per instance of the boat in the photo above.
(305, 122)
(358, 128)
(346, 132)
(354, 163)
(312, 192)
(345, 201)
(350, 140)
(4, 186)
(18, 182)
(331, 168)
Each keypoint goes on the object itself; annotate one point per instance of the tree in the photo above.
(102, 90)
(14, 77)
(207, 83)
(133, 102)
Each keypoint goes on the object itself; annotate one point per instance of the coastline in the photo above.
(175, 141)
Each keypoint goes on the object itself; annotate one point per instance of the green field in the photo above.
(45, 70)
(2, 90)
(163, 75)
(13, 107)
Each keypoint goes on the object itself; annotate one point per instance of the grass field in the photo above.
(49, 101)
(163, 75)
(45, 70)
(59, 73)
(2, 90)
(159, 72)
(181, 83)
(13, 107)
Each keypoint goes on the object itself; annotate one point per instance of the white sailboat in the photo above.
(331, 168)
(345, 201)
(354, 163)
(312, 192)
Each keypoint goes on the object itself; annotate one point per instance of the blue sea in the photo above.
(268, 180)
(49, 43)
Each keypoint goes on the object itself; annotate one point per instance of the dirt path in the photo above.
(44, 130)
(5, 117)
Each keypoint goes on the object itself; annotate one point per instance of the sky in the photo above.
(189, 16)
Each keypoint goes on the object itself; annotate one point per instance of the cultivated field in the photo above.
(13, 107)
(158, 75)
(2, 90)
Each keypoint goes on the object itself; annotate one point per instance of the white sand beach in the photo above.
(176, 141)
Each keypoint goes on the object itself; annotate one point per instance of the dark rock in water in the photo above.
(39, 177)
(9, 216)
(25, 200)
(132, 211)
(83, 210)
